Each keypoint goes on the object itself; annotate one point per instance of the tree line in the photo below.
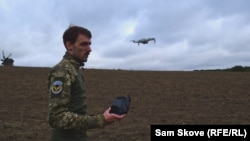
(237, 68)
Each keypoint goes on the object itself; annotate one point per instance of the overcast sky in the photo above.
(190, 34)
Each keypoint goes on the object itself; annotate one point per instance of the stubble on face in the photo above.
(81, 48)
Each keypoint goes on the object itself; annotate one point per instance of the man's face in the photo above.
(81, 48)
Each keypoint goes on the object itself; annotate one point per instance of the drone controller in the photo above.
(120, 105)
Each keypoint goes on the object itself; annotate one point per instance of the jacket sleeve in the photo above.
(60, 117)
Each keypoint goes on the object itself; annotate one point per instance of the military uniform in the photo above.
(67, 102)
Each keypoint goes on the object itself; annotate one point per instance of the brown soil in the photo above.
(163, 97)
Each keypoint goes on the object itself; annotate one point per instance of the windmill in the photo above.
(7, 61)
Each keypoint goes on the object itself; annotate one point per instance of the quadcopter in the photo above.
(143, 41)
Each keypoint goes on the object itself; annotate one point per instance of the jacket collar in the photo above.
(73, 60)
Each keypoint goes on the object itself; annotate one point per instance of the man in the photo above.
(67, 98)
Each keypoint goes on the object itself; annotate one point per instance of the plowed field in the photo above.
(162, 97)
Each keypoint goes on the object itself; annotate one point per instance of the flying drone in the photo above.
(143, 41)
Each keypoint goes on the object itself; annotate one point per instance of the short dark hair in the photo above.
(72, 32)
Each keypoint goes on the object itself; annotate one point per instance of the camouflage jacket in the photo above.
(67, 102)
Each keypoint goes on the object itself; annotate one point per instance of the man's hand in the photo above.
(109, 117)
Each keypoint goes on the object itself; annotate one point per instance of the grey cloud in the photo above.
(189, 34)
